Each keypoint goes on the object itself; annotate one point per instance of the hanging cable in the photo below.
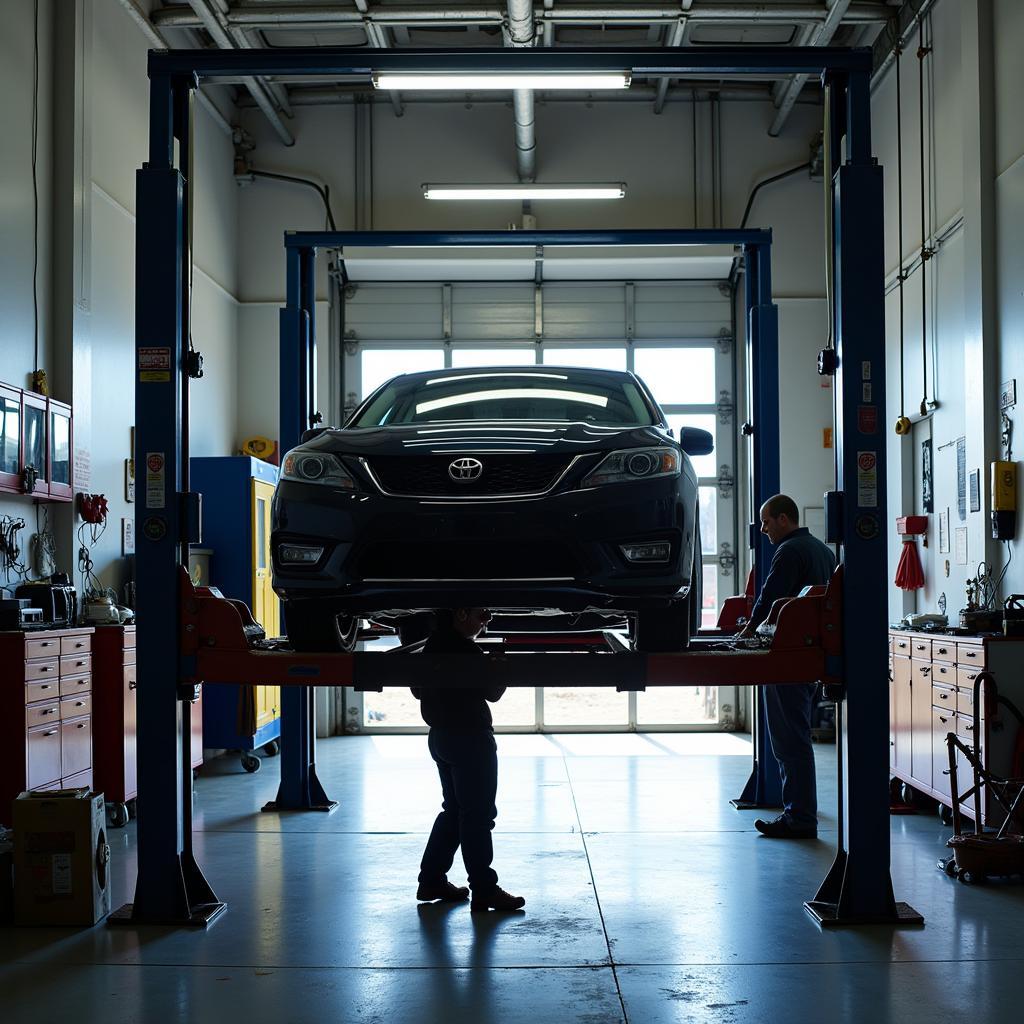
(35, 180)
(922, 52)
(903, 423)
(323, 190)
(830, 240)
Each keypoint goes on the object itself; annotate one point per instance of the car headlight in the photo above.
(309, 466)
(634, 464)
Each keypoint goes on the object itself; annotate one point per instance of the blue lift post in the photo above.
(170, 886)
(764, 787)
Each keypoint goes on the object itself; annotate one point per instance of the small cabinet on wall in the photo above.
(237, 492)
(932, 679)
(35, 445)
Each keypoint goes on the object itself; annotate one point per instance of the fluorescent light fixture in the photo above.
(497, 396)
(503, 81)
(616, 190)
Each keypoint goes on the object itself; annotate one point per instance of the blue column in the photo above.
(170, 888)
(858, 888)
(300, 789)
(764, 787)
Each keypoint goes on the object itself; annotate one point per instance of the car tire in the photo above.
(315, 626)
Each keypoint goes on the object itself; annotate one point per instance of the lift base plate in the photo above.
(827, 915)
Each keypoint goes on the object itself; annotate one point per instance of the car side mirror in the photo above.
(695, 441)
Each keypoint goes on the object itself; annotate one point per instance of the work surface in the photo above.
(649, 899)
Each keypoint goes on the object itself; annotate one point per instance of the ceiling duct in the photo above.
(521, 33)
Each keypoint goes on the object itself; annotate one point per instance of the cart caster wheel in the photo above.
(133, 809)
(949, 866)
(272, 749)
(251, 763)
(945, 814)
(895, 791)
(909, 795)
(117, 815)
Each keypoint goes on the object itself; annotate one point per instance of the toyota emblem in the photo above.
(465, 470)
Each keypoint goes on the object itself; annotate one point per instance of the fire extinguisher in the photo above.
(1004, 500)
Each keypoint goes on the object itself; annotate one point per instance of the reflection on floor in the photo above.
(649, 899)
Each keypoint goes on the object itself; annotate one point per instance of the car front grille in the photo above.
(466, 560)
(428, 476)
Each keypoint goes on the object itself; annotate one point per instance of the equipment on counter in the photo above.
(1013, 615)
(18, 613)
(927, 619)
(981, 620)
(100, 610)
(56, 597)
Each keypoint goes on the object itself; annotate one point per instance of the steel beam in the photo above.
(650, 61)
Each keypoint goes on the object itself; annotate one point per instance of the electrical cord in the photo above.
(900, 275)
(90, 581)
(35, 180)
(922, 52)
(988, 588)
(324, 191)
(806, 166)
(10, 549)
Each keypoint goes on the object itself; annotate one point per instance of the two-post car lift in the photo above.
(187, 637)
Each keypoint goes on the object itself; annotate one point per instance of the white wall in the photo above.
(111, 75)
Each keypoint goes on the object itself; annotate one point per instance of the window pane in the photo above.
(60, 449)
(35, 445)
(709, 604)
(392, 706)
(379, 365)
(580, 706)
(261, 533)
(677, 376)
(493, 356)
(598, 358)
(707, 500)
(10, 431)
(677, 705)
(516, 707)
(705, 465)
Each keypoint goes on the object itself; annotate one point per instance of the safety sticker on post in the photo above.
(156, 480)
(154, 365)
(867, 479)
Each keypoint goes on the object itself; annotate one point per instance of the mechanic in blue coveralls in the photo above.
(461, 743)
(800, 560)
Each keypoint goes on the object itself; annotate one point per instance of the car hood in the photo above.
(484, 436)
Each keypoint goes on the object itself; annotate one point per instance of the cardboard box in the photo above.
(61, 858)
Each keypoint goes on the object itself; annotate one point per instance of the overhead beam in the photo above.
(323, 16)
(822, 37)
(378, 36)
(139, 16)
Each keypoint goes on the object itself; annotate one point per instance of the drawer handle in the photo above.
(80, 663)
(50, 732)
(901, 644)
(942, 669)
(941, 719)
(79, 703)
(971, 654)
(943, 696)
(80, 644)
(942, 650)
(920, 647)
(132, 684)
(44, 686)
(46, 643)
(926, 670)
(45, 668)
(81, 725)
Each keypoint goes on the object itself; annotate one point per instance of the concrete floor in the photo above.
(649, 899)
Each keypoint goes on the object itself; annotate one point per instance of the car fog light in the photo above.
(299, 554)
(658, 552)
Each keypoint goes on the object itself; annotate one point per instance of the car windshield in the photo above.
(550, 394)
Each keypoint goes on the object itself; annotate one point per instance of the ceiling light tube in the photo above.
(615, 190)
(502, 81)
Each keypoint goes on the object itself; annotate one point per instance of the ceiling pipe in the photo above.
(378, 36)
(822, 37)
(256, 89)
(521, 33)
(138, 15)
(676, 37)
(280, 16)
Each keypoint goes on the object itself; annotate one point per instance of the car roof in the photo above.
(469, 371)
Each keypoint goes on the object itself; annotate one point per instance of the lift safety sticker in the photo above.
(156, 480)
(867, 526)
(865, 369)
(867, 479)
(154, 364)
(867, 418)
(154, 528)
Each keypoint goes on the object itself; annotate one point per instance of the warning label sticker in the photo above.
(867, 479)
(154, 358)
(867, 419)
(156, 480)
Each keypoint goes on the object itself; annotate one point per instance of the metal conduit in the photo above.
(256, 88)
(266, 15)
(521, 34)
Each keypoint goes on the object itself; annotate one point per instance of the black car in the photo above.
(548, 490)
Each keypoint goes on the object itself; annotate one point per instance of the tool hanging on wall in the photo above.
(909, 572)
(1004, 486)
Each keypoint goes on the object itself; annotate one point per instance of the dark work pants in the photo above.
(789, 726)
(468, 765)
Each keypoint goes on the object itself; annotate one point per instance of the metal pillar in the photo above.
(764, 786)
(300, 789)
(858, 887)
(170, 888)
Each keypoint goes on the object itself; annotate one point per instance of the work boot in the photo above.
(496, 899)
(782, 828)
(443, 891)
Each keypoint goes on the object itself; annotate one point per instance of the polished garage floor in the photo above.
(649, 900)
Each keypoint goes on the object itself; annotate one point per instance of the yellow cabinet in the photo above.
(266, 608)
